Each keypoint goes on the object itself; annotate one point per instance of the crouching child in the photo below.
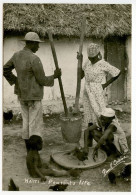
(108, 134)
(34, 164)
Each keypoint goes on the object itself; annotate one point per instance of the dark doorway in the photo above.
(115, 54)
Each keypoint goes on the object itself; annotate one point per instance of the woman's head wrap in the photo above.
(93, 49)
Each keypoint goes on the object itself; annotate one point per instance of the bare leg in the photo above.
(90, 137)
(113, 149)
(27, 145)
(45, 165)
(86, 135)
(54, 172)
(96, 135)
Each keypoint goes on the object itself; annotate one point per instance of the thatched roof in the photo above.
(65, 19)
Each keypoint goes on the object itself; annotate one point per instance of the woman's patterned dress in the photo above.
(93, 97)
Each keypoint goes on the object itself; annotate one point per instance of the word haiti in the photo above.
(113, 165)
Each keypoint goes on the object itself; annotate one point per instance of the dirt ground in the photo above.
(14, 160)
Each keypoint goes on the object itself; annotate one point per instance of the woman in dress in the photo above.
(95, 70)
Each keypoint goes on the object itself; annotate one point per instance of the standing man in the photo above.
(29, 84)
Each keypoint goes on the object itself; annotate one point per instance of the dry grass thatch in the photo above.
(65, 19)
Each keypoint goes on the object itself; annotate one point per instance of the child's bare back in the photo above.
(34, 164)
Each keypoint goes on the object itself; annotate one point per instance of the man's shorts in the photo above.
(32, 118)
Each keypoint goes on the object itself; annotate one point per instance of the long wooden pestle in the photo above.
(79, 67)
(57, 67)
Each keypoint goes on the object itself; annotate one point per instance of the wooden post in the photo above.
(57, 67)
(79, 68)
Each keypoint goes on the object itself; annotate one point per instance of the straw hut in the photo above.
(107, 24)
